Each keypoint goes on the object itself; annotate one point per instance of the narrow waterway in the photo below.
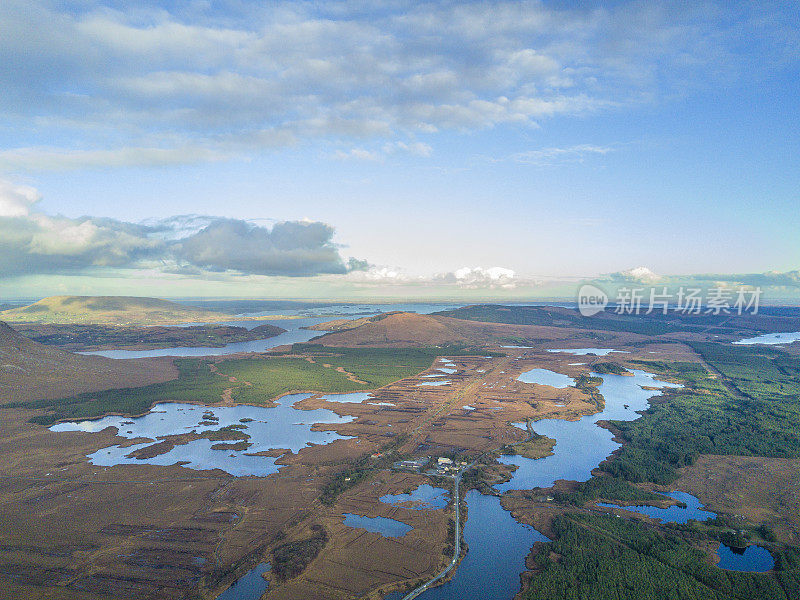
(581, 445)
(294, 334)
(498, 544)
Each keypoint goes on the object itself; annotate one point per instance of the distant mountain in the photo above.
(31, 371)
(110, 310)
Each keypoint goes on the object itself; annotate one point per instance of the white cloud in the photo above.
(358, 154)
(636, 274)
(16, 200)
(554, 156)
(419, 149)
(207, 79)
(480, 277)
(463, 278)
(380, 274)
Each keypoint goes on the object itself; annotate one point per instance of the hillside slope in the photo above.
(109, 310)
(32, 371)
(415, 330)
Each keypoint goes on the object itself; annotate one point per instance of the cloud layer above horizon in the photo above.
(33, 243)
(165, 84)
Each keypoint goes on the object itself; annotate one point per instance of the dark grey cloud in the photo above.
(291, 248)
(32, 243)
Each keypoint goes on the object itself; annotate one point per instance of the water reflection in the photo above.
(279, 427)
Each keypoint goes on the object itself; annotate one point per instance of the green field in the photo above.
(382, 366)
(268, 378)
(272, 377)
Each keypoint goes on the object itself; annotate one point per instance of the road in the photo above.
(457, 545)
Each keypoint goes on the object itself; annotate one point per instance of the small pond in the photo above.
(350, 398)
(251, 586)
(753, 559)
(383, 525)
(424, 497)
(671, 514)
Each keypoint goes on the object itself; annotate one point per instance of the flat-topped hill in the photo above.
(31, 371)
(109, 310)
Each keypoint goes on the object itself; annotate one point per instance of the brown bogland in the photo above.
(412, 329)
(31, 371)
(763, 490)
(74, 530)
(402, 329)
(356, 563)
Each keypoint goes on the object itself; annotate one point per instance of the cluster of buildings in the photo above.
(442, 466)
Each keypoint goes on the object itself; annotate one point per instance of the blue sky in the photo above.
(458, 147)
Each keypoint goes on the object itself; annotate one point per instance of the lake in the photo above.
(498, 545)
(282, 426)
(294, 334)
(546, 377)
(581, 445)
(772, 338)
(671, 514)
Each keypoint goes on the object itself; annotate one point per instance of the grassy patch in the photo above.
(609, 367)
(606, 488)
(382, 366)
(272, 377)
(538, 446)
